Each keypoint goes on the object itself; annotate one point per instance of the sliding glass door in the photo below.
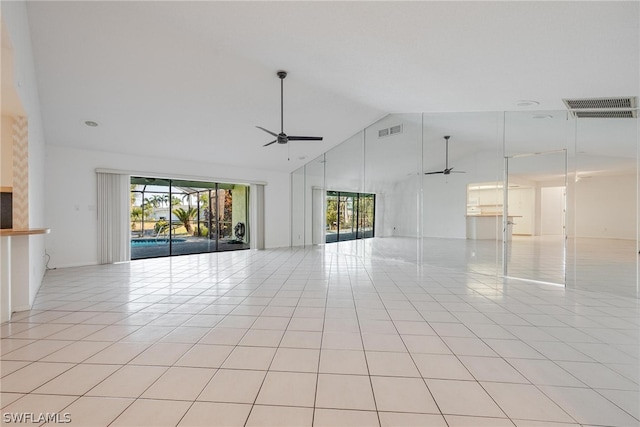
(366, 211)
(176, 217)
(349, 216)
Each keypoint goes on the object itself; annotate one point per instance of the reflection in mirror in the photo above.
(536, 159)
(298, 216)
(314, 202)
(392, 157)
(344, 165)
(583, 170)
(392, 165)
(474, 148)
(605, 244)
(349, 216)
(344, 172)
(535, 214)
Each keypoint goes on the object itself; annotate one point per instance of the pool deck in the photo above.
(190, 245)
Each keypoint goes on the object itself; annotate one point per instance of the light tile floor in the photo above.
(318, 337)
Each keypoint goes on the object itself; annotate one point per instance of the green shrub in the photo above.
(161, 226)
(204, 231)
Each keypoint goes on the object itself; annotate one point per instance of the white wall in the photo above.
(522, 205)
(445, 206)
(605, 207)
(298, 218)
(551, 220)
(399, 208)
(71, 197)
(14, 16)
(445, 196)
(314, 203)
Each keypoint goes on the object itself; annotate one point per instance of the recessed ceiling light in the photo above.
(91, 123)
(302, 157)
(526, 103)
(543, 116)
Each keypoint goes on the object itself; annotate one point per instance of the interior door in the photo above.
(534, 255)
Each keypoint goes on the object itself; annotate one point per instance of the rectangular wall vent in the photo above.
(606, 114)
(393, 130)
(596, 103)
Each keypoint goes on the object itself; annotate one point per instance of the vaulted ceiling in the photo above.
(191, 80)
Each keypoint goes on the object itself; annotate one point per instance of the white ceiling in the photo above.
(192, 79)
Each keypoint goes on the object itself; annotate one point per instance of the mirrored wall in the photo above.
(603, 237)
(540, 196)
(349, 216)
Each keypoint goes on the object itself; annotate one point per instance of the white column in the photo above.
(318, 216)
(19, 248)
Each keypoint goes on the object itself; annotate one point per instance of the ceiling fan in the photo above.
(447, 170)
(283, 138)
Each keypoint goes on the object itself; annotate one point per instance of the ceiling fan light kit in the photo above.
(283, 138)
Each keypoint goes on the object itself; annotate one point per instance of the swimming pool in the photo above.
(154, 242)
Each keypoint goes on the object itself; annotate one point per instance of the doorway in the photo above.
(176, 217)
(534, 217)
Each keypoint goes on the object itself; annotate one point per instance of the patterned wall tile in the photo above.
(20, 173)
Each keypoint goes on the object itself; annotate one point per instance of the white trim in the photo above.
(179, 177)
(75, 264)
(21, 308)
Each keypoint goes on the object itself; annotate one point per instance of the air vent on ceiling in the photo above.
(603, 108)
(393, 130)
(606, 114)
(596, 103)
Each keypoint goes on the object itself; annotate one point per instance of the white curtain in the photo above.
(113, 218)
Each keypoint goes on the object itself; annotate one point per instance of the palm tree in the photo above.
(185, 216)
(154, 201)
(136, 215)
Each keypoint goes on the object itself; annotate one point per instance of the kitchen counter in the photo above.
(5, 232)
(488, 226)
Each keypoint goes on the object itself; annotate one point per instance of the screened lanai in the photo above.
(177, 217)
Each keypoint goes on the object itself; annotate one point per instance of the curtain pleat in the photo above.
(113, 218)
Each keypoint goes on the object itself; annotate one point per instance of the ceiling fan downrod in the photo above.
(282, 75)
(283, 138)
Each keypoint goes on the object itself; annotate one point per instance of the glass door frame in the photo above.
(212, 190)
(356, 214)
(506, 223)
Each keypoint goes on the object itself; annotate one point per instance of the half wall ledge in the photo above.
(14, 270)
